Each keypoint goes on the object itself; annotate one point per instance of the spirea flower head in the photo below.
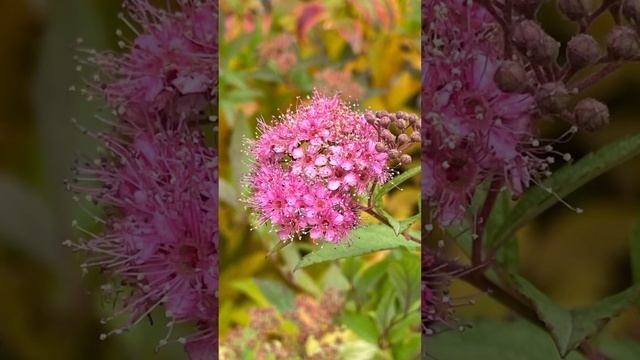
(473, 130)
(170, 64)
(311, 165)
(160, 232)
(279, 51)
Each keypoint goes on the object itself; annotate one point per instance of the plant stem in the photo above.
(384, 220)
(591, 352)
(595, 77)
(482, 283)
(481, 221)
(605, 5)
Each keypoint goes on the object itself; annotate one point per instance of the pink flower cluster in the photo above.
(472, 130)
(310, 167)
(157, 177)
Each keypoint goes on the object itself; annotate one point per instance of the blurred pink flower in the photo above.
(157, 179)
(172, 56)
(160, 234)
(280, 50)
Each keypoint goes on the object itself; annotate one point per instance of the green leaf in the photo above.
(620, 349)
(251, 289)
(394, 183)
(569, 328)
(393, 222)
(405, 327)
(351, 266)
(301, 77)
(493, 340)
(366, 281)
(386, 309)
(267, 75)
(563, 182)
(228, 194)
(334, 279)
(242, 95)
(362, 325)
(278, 295)
(235, 78)
(300, 278)
(408, 349)
(363, 240)
(358, 350)
(408, 222)
(399, 226)
(405, 276)
(507, 255)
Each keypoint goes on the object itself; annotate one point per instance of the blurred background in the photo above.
(47, 309)
(580, 259)
(273, 54)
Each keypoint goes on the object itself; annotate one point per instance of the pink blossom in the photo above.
(310, 166)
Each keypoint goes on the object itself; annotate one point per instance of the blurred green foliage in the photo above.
(272, 55)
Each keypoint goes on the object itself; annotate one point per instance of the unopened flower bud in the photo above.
(385, 121)
(511, 77)
(583, 50)
(622, 43)
(402, 124)
(415, 136)
(381, 147)
(528, 8)
(631, 10)
(525, 33)
(394, 154)
(405, 159)
(546, 52)
(552, 97)
(388, 136)
(591, 115)
(413, 118)
(574, 9)
(403, 139)
(370, 117)
(534, 43)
